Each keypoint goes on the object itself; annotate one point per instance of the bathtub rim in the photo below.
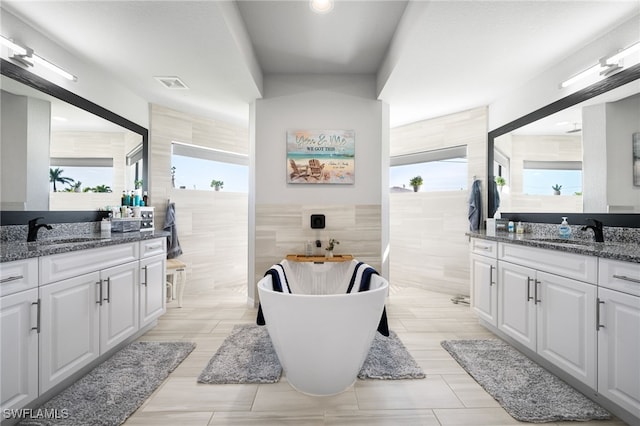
(384, 287)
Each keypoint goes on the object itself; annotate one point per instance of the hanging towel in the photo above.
(173, 245)
(278, 276)
(475, 206)
(362, 274)
(496, 199)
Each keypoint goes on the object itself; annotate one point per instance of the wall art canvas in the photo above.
(321, 156)
(636, 159)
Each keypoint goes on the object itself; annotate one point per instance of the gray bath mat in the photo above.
(525, 390)
(388, 359)
(247, 356)
(112, 391)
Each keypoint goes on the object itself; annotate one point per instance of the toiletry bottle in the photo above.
(564, 229)
(145, 198)
(510, 226)
(519, 228)
(123, 200)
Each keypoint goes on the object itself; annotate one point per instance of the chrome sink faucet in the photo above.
(597, 230)
(34, 226)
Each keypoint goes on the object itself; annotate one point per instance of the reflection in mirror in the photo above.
(56, 156)
(576, 160)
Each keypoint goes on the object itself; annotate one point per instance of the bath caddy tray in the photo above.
(319, 259)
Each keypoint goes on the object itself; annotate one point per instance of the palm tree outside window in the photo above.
(55, 176)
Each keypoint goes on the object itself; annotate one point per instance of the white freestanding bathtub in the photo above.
(322, 340)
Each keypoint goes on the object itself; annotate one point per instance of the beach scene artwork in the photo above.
(321, 156)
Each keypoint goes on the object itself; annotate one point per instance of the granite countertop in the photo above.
(623, 251)
(18, 250)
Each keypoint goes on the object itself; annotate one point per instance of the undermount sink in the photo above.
(69, 240)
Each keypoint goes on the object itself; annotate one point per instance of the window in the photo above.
(539, 177)
(501, 165)
(441, 170)
(87, 173)
(196, 167)
(134, 164)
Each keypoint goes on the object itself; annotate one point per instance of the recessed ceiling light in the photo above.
(321, 6)
(172, 82)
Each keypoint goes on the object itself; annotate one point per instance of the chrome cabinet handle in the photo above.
(598, 303)
(12, 278)
(108, 299)
(37, 327)
(99, 302)
(625, 278)
(491, 275)
(145, 276)
(535, 286)
(529, 289)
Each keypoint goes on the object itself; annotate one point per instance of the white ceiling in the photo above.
(432, 57)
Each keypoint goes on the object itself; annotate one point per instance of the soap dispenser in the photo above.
(564, 229)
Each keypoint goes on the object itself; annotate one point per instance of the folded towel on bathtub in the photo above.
(277, 278)
(362, 274)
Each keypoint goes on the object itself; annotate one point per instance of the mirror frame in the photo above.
(24, 76)
(610, 219)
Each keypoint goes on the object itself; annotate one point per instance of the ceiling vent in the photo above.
(172, 82)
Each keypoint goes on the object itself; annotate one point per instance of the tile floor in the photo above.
(448, 396)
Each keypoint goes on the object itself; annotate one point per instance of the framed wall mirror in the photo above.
(50, 136)
(573, 157)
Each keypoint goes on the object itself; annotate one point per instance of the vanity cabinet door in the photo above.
(484, 293)
(516, 303)
(119, 309)
(152, 288)
(70, 327)
(619, 348)
(19, 342)
(566, 332)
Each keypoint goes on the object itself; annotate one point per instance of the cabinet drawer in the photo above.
(66, 265)
(152, 247)
(562, 263)
(484, 247)
(620, 276)
(18, 276)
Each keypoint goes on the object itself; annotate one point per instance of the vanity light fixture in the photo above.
(28, 58)
(16, 48)
(635, 47)
(606, 66)
(592, 70)
(53, 67)
(321, 6)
